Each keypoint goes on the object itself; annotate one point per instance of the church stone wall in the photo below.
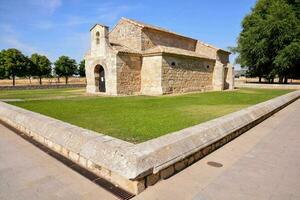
(229, 78)
(126, 34)
(128, 74)
(223, 57)
(151, 75)
(109, 65)
(204, 49)
(152, 38)
(182, 74)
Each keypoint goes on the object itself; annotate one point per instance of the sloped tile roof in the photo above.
(123, 49)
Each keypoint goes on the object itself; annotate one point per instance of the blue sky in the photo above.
(61, 27)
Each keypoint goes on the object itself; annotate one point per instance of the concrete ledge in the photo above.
(268, 86)
(34, 87)
(135, 167)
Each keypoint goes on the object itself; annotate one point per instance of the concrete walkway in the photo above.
(263, 163)
(26, 172)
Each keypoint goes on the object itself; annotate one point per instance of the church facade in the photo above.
(140, 59)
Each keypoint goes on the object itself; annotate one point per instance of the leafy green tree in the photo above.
(271, 27)
(2, 68)
(13, 63)
(81, 69)
(41, 66)
(288, 61)
(65, 67)
(2, 72)
(29, 69)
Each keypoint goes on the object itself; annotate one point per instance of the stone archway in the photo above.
(100, 78)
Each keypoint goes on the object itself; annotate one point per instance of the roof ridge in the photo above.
(145, 25)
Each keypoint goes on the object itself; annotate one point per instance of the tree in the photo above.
(81, 69)
(65, 67)
(41, 66)
(29, 69)
(2, 68)
(288, 61)
(13, 63)
(270, 28)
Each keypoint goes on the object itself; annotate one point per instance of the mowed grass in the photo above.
(40, 94)
(139, 118)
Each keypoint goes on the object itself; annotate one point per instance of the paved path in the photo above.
(263, 163)
(26, 172)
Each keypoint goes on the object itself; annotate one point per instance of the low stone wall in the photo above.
(135, 167)
(267, 86)
(32, 87)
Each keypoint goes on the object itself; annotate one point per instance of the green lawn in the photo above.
(41, 93)
(138, 118)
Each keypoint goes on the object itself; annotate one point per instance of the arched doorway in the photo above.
(100, 78)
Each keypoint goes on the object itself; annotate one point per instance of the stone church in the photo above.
(135, 58)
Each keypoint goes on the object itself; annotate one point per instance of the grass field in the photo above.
(42, 94)
(137, 118)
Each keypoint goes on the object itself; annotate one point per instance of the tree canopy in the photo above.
(2, 66)
(13, 63)
(65, 67)
(269, 42)
(81, 69)
(41, 66)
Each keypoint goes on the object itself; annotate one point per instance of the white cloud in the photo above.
(48, 5)
(72, 41)
(105, 13)
(13, 42)
(9, 39)
(110, 12)
(43, 24)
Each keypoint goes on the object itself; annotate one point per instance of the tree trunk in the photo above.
(40, 80)
(280, 79)
(285, 80)
(66, 80)
(58, 79)
(259, 79)
(14, 80)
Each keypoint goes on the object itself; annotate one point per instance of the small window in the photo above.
(97, 34)
(207, 66)
(173, 64)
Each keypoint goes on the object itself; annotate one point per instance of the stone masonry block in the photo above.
(73, 156)
(198, 155)
(191, 160)
(167, 172)
(152, 179)
(181, 165)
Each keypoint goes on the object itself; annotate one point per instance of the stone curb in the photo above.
(268, 86)
(134, 167)
(34, 87)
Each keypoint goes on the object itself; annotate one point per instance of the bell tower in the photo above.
(99, 40)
